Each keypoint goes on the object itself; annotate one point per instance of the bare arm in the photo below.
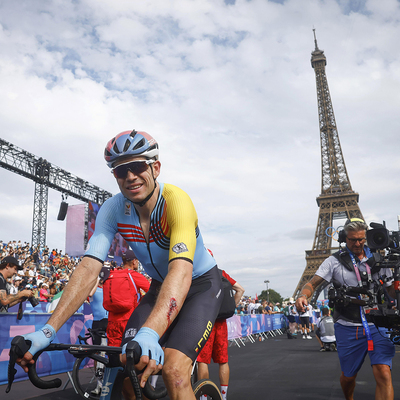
(171, 297)
(169, 302)
(307, 292)
(239, 290)
(12, 299)
(81, 282)
(93, 291)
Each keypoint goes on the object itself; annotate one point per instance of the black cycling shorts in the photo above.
(191, 328)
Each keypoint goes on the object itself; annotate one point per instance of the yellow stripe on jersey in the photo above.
(182, 221)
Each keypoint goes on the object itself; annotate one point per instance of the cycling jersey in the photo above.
(174, 232)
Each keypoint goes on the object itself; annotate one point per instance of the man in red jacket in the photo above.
(217, 345)
(117, 318)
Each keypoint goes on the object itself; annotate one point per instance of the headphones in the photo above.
(342, 234)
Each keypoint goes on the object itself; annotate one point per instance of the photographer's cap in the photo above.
(13, 261)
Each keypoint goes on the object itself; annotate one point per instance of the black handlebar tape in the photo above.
(38, 382)
(19, 346)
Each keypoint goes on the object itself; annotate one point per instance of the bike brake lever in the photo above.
(133, 352)
(18, 348)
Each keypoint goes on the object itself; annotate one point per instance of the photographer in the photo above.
(8, 268)
(354, 335)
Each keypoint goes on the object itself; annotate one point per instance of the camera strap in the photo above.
(362, 313)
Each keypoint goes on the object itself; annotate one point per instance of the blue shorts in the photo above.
(352, 348)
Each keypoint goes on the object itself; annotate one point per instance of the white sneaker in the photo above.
(309, 337)
(304, 336)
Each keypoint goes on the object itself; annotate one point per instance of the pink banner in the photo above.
(75, 231)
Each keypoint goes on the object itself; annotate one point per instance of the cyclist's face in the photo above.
(137, 186)
(354, 245)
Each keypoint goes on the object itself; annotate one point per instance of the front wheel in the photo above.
(85, 379)
(207, 388)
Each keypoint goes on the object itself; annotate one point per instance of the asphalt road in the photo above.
(276, 368)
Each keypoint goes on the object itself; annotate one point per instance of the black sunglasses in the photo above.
(136, 167)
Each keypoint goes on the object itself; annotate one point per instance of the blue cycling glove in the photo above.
(148, 342)
(40, 339)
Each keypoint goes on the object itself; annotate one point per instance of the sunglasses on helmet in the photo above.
(136, 167)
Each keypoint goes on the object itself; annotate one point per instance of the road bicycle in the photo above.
(114, 374)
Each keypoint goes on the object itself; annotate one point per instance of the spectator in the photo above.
(217, 346)
(8, 268)
(326, 331)
(305, 321)
(252, 307)
(265, 308)
(14, 287)
(100, 320)
(117, 320)
(43, 293)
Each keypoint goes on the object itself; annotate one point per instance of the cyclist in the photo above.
(160, 224)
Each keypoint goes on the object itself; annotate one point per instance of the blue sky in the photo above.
(227, 89)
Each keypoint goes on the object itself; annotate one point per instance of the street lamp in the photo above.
(266, 282)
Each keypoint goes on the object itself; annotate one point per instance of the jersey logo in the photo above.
(128, 208)
(180, 248)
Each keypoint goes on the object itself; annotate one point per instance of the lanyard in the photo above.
(362, 313)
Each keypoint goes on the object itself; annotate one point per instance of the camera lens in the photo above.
(34, 301)
(379, 238)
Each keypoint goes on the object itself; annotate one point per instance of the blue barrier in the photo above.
(48, 363)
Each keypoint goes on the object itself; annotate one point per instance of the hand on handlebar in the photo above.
(39, 341)
(152, 357)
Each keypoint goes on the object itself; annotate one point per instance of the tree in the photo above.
(274, 297)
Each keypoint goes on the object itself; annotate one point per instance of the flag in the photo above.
(52, 306)
(256, 297)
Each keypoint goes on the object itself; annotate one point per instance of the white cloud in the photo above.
(229, 93)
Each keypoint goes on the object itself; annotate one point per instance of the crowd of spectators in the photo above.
(45, 272)
(248, 305)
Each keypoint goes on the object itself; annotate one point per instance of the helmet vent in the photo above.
(140, 144)
(115, 148)
(133, 134)
(127, 144)
(107, 153)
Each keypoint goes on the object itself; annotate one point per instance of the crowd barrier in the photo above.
(239, 327)
(50, 363)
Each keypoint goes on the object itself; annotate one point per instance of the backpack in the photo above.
(120, 293)
(228, 304)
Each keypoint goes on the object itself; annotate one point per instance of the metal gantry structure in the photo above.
(337, 199)
(46, 175)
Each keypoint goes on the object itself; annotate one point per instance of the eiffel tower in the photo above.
(337, 199)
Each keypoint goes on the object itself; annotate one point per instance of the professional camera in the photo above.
(386, 254)
(34, 301)
(380, 238)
